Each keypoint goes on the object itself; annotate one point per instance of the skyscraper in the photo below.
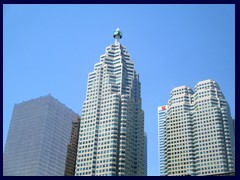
(213, 136)
(111, 137)
(178, 145)
(198, 132)
(145, 154)
(72, 149)
(38, 137)
(233, 126)
(161, 118)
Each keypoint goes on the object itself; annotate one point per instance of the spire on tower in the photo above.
(117, 35)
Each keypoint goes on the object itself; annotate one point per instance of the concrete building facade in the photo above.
(199, 136)
(111, 137)
(233, 125)
(178, 145)
(161, 119)
(145, 154)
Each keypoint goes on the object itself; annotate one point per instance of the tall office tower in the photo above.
(72, 149)
(161, 119)
(145, 154)
(213, 131)
(178, 145)
(233, 126)
(199, 132)
(111, 137)
(38, 137)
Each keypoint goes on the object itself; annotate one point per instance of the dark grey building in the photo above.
(72, 149)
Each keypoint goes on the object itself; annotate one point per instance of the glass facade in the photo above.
(38, 137)
(72, 149)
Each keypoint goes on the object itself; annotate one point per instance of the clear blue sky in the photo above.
(52, 48)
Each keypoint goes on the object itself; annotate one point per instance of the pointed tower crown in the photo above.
(118, 33)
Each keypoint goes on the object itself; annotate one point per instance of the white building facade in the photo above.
(178, 146)
(145, 154)
(199, 136)
(161, 118)
(38, 137)
(214, 142)
(111, 137)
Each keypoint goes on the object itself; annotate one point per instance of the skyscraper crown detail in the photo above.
(116, 33)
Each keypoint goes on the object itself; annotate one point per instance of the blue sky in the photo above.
(52, 48)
